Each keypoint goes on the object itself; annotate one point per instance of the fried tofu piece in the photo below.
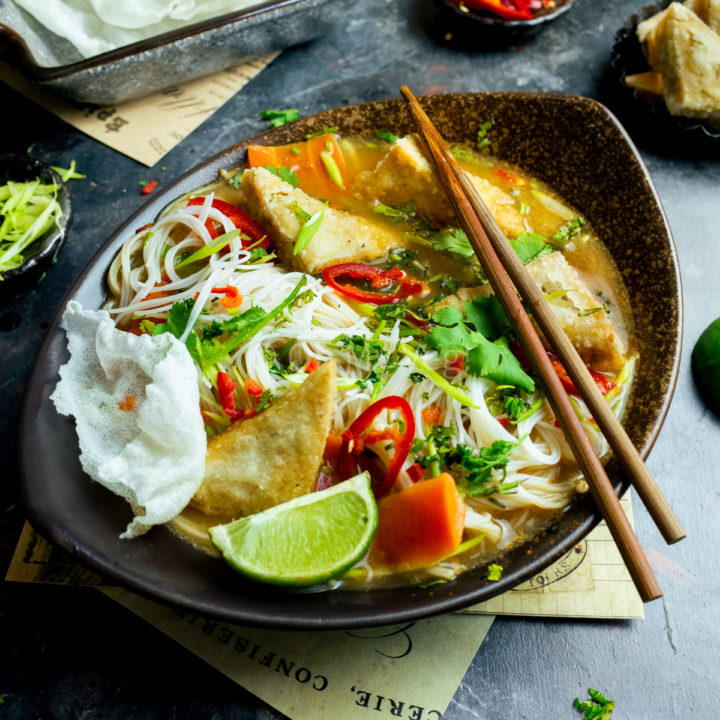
(689, 61)
(273, 457)
(592, 333)
(406, 174)
(341, 237)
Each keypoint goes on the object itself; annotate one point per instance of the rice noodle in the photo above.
(144, 283)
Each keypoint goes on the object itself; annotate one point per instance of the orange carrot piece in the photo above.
(418, 526)
(305, 160)
(332, 449)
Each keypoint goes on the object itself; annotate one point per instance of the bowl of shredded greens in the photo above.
(34, 215)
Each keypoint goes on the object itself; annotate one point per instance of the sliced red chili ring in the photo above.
(603, 382)
(246, 224)
(349, 461)
(377, 278)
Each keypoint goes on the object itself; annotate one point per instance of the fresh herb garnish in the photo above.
(324, 131)
(426, 585)
(452, 334)
(283, 173)
(416, 377)
(279, 117)
(386, 135)
(235, 181)
(482, 139)
(462, 154)
(531, 246)
(567, 231)
(205, 344)
(68, 173)
(308, 230)
(494, 572)
(589, 311)
(597, 708)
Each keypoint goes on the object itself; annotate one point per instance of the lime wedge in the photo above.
(305, 541)
(706, 365)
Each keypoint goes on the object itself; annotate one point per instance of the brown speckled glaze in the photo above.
(573, 144)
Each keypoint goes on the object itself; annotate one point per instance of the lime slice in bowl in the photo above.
(305, 541)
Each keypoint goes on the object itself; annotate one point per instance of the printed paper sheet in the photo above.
(148, 128)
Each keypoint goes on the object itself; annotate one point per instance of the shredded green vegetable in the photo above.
(68, 173)
(308, 230)
(29, 210)
(437, 378)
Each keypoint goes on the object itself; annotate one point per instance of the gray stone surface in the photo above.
(73, 654)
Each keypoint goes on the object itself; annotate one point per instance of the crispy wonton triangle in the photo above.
(272, 457)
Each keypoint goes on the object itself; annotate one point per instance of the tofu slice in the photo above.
(593, 335)
(406, 174)
(272, 457)
(689, 60)
(341, 237)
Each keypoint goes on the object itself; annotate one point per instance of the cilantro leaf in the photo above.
(487, 315)
(567, 231)
(492, 360)
(454, 241)
(531, 246)
(279, 117)
(482, 139)
(495, 361)
(177, 319)
(284, 173)
(235, 181)
(386, 135)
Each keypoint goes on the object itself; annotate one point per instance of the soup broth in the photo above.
(388, 347)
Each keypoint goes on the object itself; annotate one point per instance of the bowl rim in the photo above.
(36, 393)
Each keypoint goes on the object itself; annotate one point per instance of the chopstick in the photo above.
(498, 260)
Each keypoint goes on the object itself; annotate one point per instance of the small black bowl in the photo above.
(19, 168)
(492, 30)
(628, 58)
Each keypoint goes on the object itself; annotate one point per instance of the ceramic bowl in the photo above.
(18, 168)
(487, 28)
(573, 144)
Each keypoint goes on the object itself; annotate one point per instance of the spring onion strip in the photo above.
(332, 168)
(210, 249)
(436, 378)
(465, 546)
(29, 210)
(308, 230)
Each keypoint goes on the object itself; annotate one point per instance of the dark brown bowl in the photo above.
(576, 146)
(21, 168)
(493, 30)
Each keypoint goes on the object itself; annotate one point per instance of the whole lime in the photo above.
(706, 365)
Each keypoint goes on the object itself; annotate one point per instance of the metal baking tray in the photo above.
(164, 60)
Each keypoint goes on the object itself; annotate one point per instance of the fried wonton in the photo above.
(272, 457)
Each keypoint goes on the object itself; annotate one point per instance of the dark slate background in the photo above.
(70, 653)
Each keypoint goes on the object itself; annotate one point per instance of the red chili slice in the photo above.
(603, 382)
(377, 277)
(246, 224)
(349, 458)
(226, 396)
(500, 8)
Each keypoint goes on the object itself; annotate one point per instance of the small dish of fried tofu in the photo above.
(681, 44)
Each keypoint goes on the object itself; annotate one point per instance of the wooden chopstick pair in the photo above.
(504, 269)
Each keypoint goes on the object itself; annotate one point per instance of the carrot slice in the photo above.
(318, 164)
(418, 526)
